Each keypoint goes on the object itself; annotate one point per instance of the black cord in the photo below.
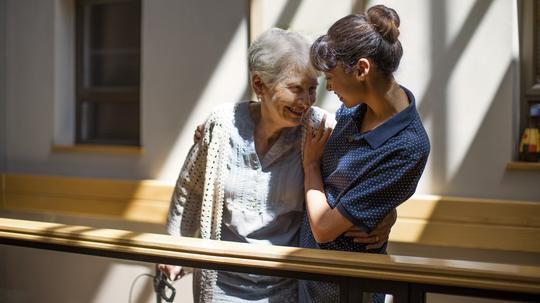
(135, 281)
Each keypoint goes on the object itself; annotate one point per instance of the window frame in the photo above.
(529, 60)
(103, 94)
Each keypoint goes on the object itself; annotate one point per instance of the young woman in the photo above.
(372, 160)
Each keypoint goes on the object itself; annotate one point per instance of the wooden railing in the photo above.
(408, 279)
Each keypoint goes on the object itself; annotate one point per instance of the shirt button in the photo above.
(350, 139)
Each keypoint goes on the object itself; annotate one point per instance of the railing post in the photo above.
(344, 290)
(417, 294)
(361, 290)
(352, 290)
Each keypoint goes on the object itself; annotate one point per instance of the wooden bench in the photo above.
(500, 225)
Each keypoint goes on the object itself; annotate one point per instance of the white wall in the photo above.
(458, 61)
(193, 57)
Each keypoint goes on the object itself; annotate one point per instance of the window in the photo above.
(108, 42)
(530, 71)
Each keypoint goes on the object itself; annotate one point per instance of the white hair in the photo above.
(276, 53)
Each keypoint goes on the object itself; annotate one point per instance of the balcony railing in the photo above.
(408, 279)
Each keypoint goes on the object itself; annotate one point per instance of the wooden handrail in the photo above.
(158, 248)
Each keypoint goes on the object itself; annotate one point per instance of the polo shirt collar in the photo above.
(388, 129)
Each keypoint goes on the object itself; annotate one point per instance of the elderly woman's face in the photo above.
(290, 99)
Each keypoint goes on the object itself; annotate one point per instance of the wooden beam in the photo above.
(98, 149)
(471, 210)
(519, 165)
(474, 236)
(88, 187)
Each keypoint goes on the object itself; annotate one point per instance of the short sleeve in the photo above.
(370, 197)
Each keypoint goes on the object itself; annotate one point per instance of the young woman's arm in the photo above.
(355, 207)
(326, 223)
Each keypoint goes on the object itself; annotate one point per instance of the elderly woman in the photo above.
(243, 180)
(377, 152)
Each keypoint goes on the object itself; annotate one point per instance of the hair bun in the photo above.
(385, 20)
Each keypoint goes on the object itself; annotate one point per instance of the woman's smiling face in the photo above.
(289, 99)
(342, 84)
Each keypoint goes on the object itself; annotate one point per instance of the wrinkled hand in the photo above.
(198, 134)
(378, 236)
(314, 145)
(172, 272)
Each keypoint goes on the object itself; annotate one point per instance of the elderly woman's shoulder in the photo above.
(222, 113)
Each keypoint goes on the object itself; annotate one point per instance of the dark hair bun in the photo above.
(385, 20)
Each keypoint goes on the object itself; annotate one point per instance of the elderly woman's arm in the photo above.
(185, 206)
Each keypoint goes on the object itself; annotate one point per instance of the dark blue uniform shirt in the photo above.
(366, 175)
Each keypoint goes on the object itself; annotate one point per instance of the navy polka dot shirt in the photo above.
(367, 175)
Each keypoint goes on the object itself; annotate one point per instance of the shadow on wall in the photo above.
(484, 160)
(67, 277)
(480, 153)
(183, 46)
(482, 166)
(444, 59)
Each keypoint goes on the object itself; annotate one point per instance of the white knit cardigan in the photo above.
(196, 208)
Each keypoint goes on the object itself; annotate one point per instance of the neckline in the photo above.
(282, 144)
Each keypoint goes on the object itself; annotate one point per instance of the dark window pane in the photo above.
(113, 25)
(106, 122)
(114, 68)
(111, 44)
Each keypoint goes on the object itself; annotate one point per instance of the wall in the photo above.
(458, 60)
(2, 85)
(462, 73)
(193, 57)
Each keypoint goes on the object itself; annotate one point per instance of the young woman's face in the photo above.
(289, 100)
(343, 85)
